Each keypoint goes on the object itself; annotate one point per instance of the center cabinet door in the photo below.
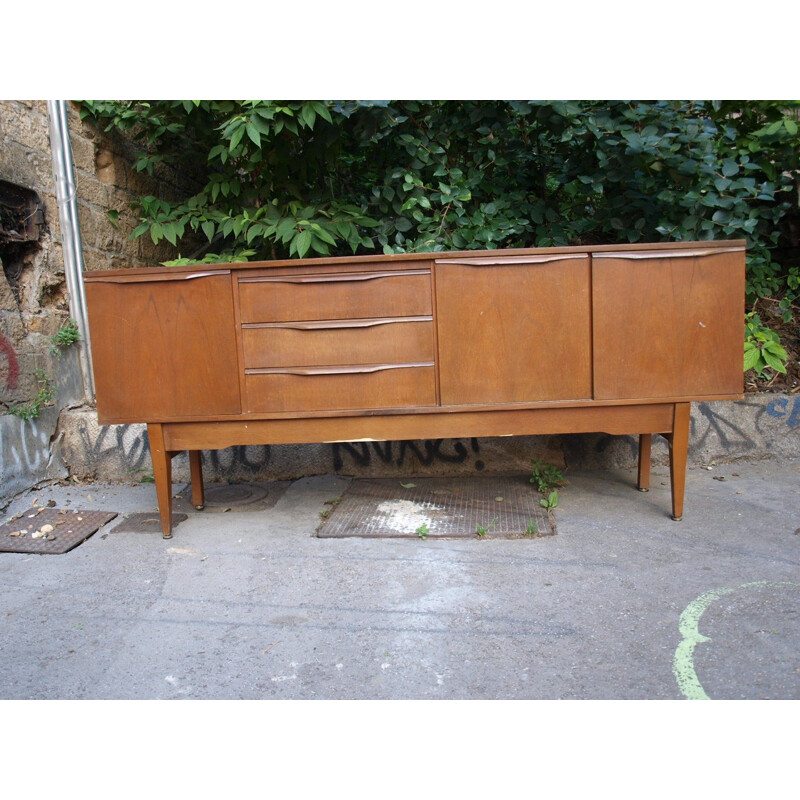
(514, 329)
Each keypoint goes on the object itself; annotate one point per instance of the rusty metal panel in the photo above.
(50, 530)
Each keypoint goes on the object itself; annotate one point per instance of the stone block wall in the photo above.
(34, 302)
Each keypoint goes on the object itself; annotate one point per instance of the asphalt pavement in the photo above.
(622, 603)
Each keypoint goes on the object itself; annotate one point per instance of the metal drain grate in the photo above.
(50, 530)
(239, 496)
(503, 507)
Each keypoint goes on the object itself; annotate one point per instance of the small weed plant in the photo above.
(65, 337)
(546, 477)
(762, 347)
(45, 396)
(550, 502)
(483, 530)
(423, 531)
(531, 530)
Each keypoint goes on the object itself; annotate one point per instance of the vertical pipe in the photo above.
(66, 194)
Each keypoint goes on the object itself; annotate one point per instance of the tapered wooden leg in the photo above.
(678, 453)
(162, 472)
(196, 469)
(645, 442)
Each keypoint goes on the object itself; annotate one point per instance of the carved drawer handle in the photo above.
(306, 371)
(157, 278)
(488, 261)
(368, 276)
(642, 254)
(334, 324)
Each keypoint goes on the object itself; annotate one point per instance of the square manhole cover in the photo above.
(487, 507)
(50, 530)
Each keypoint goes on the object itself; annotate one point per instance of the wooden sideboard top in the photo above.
(388, 260)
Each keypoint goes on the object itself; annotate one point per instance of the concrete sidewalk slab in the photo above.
(622, 603)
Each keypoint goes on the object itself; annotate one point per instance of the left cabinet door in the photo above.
(163, 346)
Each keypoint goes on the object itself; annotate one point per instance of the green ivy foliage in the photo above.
(297, 178)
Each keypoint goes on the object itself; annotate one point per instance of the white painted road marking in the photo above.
(683, 660)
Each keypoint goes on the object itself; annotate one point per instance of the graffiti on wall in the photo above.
(709, 424)
(126, 448)
(125, 445)
(447, 451)
(27, 450)
(786, 409)
(717, 429)
(723, 429)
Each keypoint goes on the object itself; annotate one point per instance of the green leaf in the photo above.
(752, 356)
(307, 115)
(255, 136)
(236, 137)
(208, 229)
(254, 230)
(302, 243)
(721, 217)
(323, 112)
(775, 349)
(170, 234)
(321, 233)
(773, 360)
(319, 246)
(729, 167)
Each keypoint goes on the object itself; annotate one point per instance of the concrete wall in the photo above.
(758, 427)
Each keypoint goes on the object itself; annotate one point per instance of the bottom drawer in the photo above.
(320, 389)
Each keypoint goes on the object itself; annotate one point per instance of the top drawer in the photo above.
(360, 295)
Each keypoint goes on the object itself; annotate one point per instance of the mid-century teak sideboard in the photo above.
(615, 339)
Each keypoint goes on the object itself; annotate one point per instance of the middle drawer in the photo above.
(393, 340)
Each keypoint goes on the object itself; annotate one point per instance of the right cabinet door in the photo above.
(513, 329)
(668, 324)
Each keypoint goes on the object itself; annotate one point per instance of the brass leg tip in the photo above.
(166, 535)
(643, 490)
(677, 519)
(199, 508)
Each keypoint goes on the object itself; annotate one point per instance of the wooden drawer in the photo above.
(363, 295)
(319, 389)
(336, 342)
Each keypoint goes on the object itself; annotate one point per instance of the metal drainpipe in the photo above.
(64, 174)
